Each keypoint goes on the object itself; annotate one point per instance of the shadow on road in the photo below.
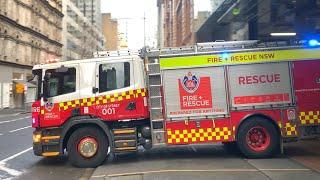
(180, 152)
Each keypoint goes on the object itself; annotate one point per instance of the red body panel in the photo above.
(108, 107)
(36, 113)
(279, 116)
(200, 131)
(225, 129)
(307, 91)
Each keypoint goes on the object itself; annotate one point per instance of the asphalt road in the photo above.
(202, 162)
(17, 160)
(194, 162)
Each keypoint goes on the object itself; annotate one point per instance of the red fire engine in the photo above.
(254, 95)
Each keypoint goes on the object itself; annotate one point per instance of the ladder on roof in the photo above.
(154, 84)
(101, 54)
(219, 46)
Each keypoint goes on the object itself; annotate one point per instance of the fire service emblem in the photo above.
(190, 82)
(49, 106)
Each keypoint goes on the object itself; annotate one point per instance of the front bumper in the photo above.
(46, 142)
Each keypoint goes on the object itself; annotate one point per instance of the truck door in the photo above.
(115, 90)
(307, 91)
(61, 87)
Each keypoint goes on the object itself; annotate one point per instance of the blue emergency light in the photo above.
(313, 42)
(225, 55)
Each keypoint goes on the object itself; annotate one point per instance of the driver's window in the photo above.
(60, 83)
(114, 76)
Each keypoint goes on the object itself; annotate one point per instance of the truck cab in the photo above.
(70, 84)
(101, 89)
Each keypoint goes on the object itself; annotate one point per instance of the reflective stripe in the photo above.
(50, 154)
(123, 131)
(289, 129)
(50, 137)
(309, 117)
(240, 58)
(100, 100)
(198, 135)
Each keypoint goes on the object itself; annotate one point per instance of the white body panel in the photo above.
(87, 75)
(260, 84)
(207, 99)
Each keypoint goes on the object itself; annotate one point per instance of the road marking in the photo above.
(1, 134)
(10, 171)
(180, 170)
(15, 155)
(13, 120)
(197, 170)
(285, 169)
(20, 129)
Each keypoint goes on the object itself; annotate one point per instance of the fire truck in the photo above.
(247, 94)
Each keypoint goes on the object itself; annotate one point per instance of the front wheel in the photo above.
(258, 138)
(87, 147)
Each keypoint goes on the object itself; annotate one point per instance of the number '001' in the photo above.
(108, 111)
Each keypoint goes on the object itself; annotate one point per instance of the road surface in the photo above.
(301, 161)
(17, 160)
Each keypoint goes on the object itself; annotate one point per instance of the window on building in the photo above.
(114, 76)
(17, 76)
(60, 83)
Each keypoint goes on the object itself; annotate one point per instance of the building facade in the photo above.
(160, 29)
(91, 9)
(258, 20)
(30, 33)
(110, 32)
(215, 4)
(80, 36)
(177, 22)
(201, 18)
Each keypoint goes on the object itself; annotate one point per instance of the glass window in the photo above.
(114, 76)
(61, 82)
(37, 81)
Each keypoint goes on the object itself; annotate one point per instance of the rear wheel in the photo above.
(87, 147)
(258, 138)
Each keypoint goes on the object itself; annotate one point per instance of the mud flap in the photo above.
(281, 145)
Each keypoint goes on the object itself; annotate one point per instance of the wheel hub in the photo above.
(258, 138)
(87, 147)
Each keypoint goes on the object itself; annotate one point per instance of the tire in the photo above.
(258, 138)
(85, 133)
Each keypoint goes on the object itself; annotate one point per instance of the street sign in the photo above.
(20, 88)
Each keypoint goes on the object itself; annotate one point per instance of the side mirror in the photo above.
(29, 79)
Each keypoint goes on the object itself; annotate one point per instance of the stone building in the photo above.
(30, 33)
(110, 32)
(176, 19)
